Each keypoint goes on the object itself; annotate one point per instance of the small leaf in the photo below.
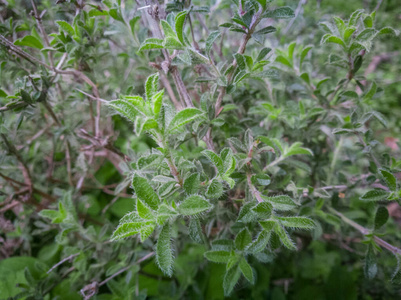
(262, 54)
(280, 13)
(215, 189)
(195, 231)
(215, 159)
(246, 270)
(243, 239)
(297, 222)
(145, 192)
(266, 30)
(179, 25)
(217, 256)
(167, 29)
(332, 39)
(389, 179)
(370, 268)
(304, 53)
(182, 118)
(194, 205)
(151, 86)
(263, 210)
(151, 43)
(374, 195)
(210, 40)
(29, 41)
(282, 203)
(260, 243)
(143, 210)
(284, 237)
(66, 27)
(164, 253)
(381, 217)
(191, 184)
(230, 279)
(261, 179)
(127, 229)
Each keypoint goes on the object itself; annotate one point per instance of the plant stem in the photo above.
(366, 231)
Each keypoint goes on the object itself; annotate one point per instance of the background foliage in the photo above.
(247, 150)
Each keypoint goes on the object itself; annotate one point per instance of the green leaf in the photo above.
(246, 270)
(260, 243)
(304, 53)
(280, 13)
(381, 217)
(66, 27)
(230, 279)
(151, 86)
(266, 30)
(297, 222)
(284, 237)
(263, 210)
(29, 41)
(370, 268)
(164, 253)
(246, 213)
(374, 195)
(348, 33)
(261, 179)
(179, 25)
(127, 109)
(215, 159)
(191, 184)
(151, 43)
(329, 38)
(144, 211)
(281, 59)
(282, 202)
(243, 239)
(262, 54)
(164, 213)
(215, 189)
(221, 257)
(297, 149)
(195, 231)
(194, 205)
(210, 40)
(388, 30)
(389, 179)
(353, 20)
(127, 229)
(172, 43)
(372, 91)
(145, 192)
(182, 118)
(167, 29)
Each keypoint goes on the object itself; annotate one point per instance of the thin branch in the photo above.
(366, 231)
(69, 258)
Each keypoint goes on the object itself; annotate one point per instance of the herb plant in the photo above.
(228, 153)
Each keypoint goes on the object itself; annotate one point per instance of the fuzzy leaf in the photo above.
(66, 27)
(182, 118)
(280, 13)
(179, 25)
(145, 192)
(243, 239)
(194, 205)
(284, 237)
(374, 195)
(29, 41)
(230, 279)
(151, 85)
(191, 184)
(389, 179)
(151, 43)
(263, 210)
(195, 231)
(215, 159)
(297, 222)
(215, 189)
(370, 268)
(164, 253)
(260, 243)
(217, 256)
(282, 203)
(210, 40)
(246, 270)
(381, 217)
